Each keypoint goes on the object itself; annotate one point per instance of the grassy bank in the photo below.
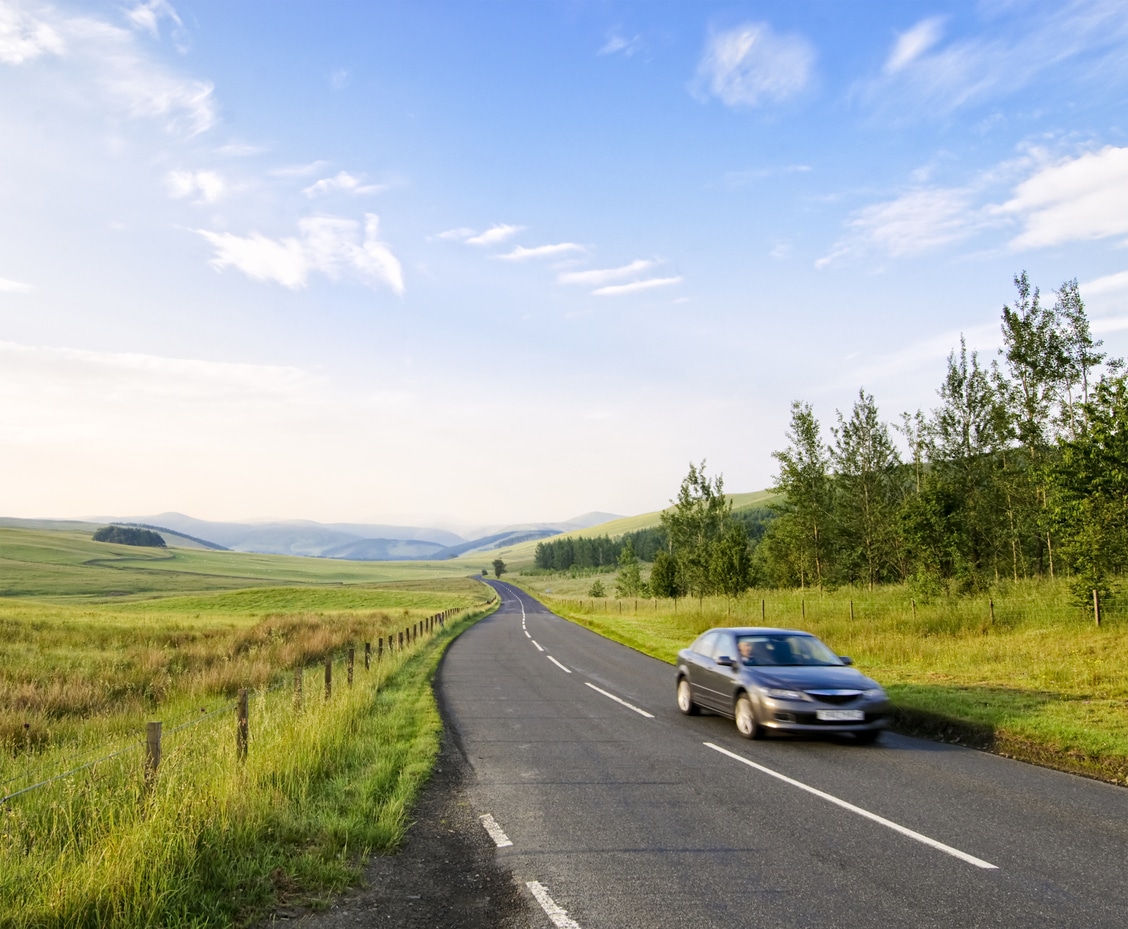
(1021, 672)
(213, 839)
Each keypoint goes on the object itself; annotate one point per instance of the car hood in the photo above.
(810, 677)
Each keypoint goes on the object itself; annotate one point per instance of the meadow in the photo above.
(98, 640)
(1023, 671)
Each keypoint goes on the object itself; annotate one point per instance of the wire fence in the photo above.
(397, 642)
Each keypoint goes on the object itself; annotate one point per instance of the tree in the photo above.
(805, 483)
(596, 589)
(866, 493)
(664, 576)
(130, 535)
(498, 567)
(731, 567)
(694, 526)
(628, 581)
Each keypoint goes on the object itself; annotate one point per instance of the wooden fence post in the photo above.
(328, 678)
(851, 611)
(1096, 606)
(914, 609)
(242, 725)
(352, 652)
(367, 655)
(991, 604)
(152, 752)
(803, 607)
(401, 641)
(763, 611)
(380, 647)
(297, 688)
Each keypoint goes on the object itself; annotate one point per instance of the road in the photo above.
(623, 813)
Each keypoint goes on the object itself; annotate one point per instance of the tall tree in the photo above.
(804, 482)
(694, 525)
(866, 494)
(628, 581)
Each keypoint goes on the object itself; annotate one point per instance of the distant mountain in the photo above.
(497, 540)
(386, 550)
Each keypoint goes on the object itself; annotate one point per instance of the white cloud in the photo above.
(914, 43)
(461, 234)
(14, 287)
(147, 16)
(1075, 199)
(345, 183)
(618, 44)
(618, 290)
(305, 170)
(24, 38)
(520, 253)
(327, 245)
(1110, 283)
(914, 222)
(752, 65)
(239, 150)
(750, 175)
(598, 277)
(208, 186)
(495, 234)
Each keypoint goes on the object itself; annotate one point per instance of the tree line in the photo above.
(1020, 471)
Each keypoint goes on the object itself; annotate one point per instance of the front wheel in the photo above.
(746, 723)
(685, 698)
(868, 737)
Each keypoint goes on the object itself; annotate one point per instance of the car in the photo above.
(781, 680)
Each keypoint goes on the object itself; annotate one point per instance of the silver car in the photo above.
(778, 679)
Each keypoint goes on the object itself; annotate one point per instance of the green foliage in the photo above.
(664, 577)
(130, 535)
(597, 589)
(628, 582)
(498, 567)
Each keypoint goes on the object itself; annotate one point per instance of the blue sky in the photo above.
(505, 261)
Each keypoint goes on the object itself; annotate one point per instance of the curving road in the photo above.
(615, 811)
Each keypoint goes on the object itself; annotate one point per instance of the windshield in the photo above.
(777, 650)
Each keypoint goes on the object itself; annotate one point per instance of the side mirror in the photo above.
(845, 659)
(725, 662)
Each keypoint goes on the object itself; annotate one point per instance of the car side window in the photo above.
(706, 644)
(723, 646)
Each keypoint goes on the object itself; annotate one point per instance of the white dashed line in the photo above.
(954, 852)
(495, 831)
(527, 636)
(540, 648)
(558, 915)
(629, 706)
(557, 663)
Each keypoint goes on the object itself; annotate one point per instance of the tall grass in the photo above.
(216, 841)
(1022, 671)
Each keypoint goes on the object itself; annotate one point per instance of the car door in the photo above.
(698, 667)
(716, 680)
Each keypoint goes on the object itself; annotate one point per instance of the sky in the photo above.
(457, 263)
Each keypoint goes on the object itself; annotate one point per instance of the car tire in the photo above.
(868, 737)
(685, 698)
(745, 715)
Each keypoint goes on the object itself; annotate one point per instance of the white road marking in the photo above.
(629, 706)
(954, 852)
(558, 915)
(495, 831)
(558, 664)
(536, 643)
(527, 636)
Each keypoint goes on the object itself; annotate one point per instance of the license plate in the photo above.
(841, 716)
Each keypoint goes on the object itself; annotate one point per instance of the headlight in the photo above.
(777, 693)
(875, 693)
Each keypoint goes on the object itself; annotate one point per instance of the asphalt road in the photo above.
(628, 814)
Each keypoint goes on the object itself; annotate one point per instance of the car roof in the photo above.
(757, 630)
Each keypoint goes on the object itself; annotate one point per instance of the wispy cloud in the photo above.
(461, 234)
(14, 287)
(344, 183)
(749, 176)
(148, 16)
(520, 253)
(239, 150)
(619, 44)
(1110, 283)
(327, 245)
(304, 170)
(24, 38)
(206, 186)
(924, 77)
(914, 43)
(1075, 199)
(619, 290)
(495, 234)
(752, 65)
(600, 276)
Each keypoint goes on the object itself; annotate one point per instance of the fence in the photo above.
(151, 747)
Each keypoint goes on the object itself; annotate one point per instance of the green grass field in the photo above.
(98, 640)
(1029, 676)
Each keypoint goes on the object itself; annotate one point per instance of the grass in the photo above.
(214, 841)
(1022, 672)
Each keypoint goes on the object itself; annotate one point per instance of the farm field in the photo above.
(1022, 672)
(98, 640)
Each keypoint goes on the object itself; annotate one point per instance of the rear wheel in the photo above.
(685, 698)
(746, 723)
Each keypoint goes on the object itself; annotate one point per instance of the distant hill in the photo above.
(386, 550)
